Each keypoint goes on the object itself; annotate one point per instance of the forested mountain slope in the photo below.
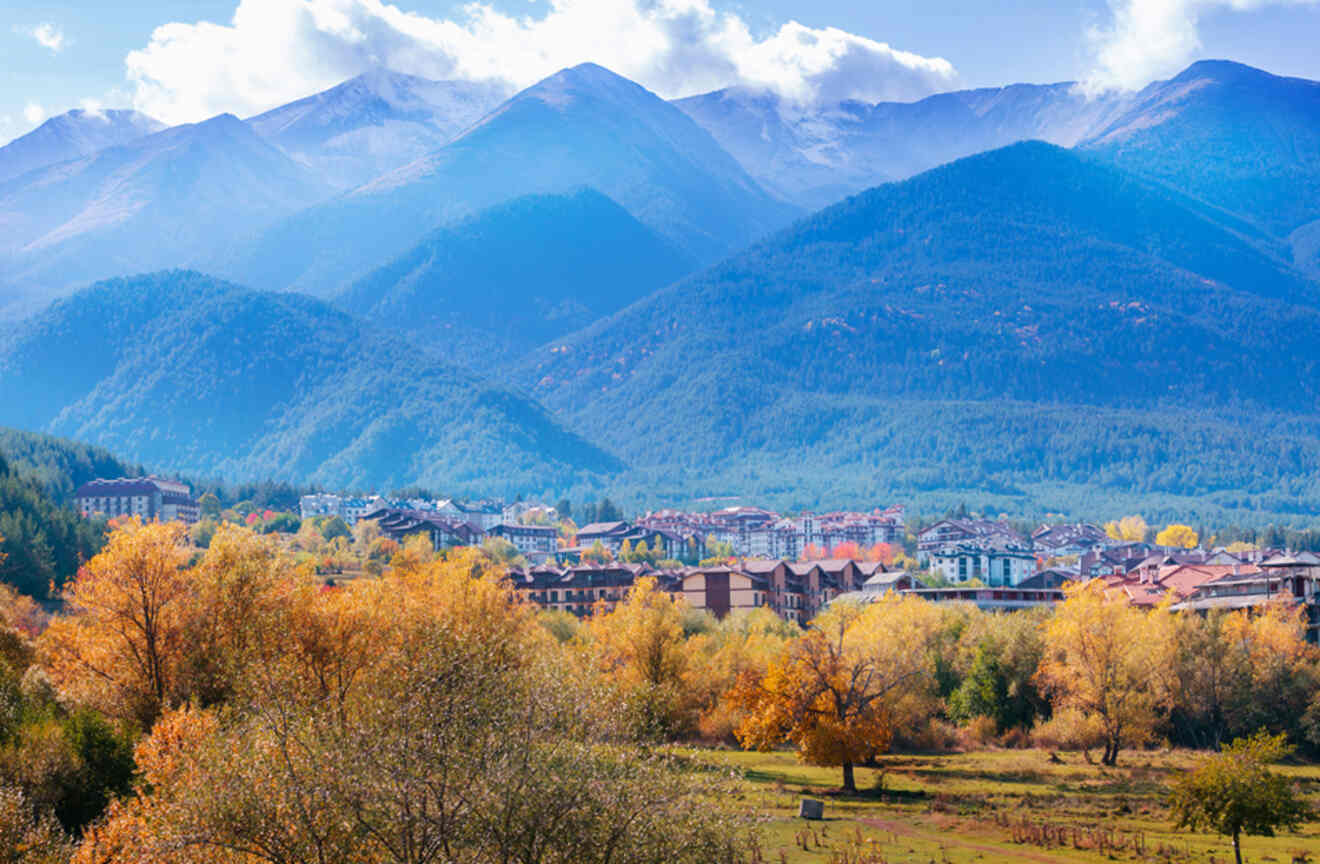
(1024, 291)
(191, 374)
(1229, 134)
(507, 280)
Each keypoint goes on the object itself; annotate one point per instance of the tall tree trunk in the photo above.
(850, 784)
(1237, 846)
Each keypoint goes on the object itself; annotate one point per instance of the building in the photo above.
(582, 588)
(481, 515)
(992, 599)
(996, 567)
(537, 542)
(984, 533)
(399, 524)
(722, 590)
(1078, 538)
(148, 498)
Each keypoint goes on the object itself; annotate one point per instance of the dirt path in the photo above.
(902, 829)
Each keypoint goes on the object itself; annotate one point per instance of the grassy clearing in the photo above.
(990, 807)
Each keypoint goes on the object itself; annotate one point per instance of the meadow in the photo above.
(990, 807)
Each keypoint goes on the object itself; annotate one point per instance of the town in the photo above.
(740, 558)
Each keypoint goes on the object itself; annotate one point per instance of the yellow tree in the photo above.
(1103, 659)
(639, 647)
(837, 691)
(1182, 536)
(119, 645)
(1130, 529)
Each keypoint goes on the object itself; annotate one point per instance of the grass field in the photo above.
(992, 806)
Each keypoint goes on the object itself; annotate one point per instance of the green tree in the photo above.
(335, 527)
(1235, 793)
(608, 511)
(564, 509)
(209, 504)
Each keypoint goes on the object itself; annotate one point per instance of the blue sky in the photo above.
(58, 55)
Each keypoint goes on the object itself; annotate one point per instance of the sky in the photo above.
(186, 61)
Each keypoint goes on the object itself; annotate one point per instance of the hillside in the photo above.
(1031, 294)
(1234, 136)
(58, 464)
(42, 540)
(374, 123)
(583, 126)
(509, 279)
(163, 200)
(72, 135)
(190, 374)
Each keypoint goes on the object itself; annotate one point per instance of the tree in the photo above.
(419, 718)
(209, 505)
(1182, 536)
(1130, 529)
(1102, 656)
(608, 511)
(639, 647)
(837, 692)
(119, 647)
(1235, 793)
(564, 509)
(335, 527)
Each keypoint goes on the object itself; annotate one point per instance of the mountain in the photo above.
(72, 135)
(191, 374)
(815, 155)
(1030, 320)
(1229, 134)
(163, 200)
(583, 126)
(374, 123)
(512, 277)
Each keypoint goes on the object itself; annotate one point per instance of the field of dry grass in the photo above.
(991, 807)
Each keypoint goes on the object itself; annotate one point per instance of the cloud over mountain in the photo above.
(1148, 39)
(273, 51)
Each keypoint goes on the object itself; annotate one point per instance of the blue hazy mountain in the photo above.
(1018, 317)
(583, 126)
(816, 155)
(374, 123)
(508, 279)
(160, 201)
(1229, 134)
(72, 135)
(185, 372)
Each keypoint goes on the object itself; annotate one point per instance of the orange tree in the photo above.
(837, 691)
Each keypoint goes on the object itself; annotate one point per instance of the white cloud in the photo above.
(274, 51)
(34, 113)
(48, 36)
(1149, 39)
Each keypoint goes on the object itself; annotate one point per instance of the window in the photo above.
(1008, 569)
(962, 569)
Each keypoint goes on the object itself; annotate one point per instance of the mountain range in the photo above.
(178, 370)
(630, 292)
(583, 126)
(374, 123)
(72, 135)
